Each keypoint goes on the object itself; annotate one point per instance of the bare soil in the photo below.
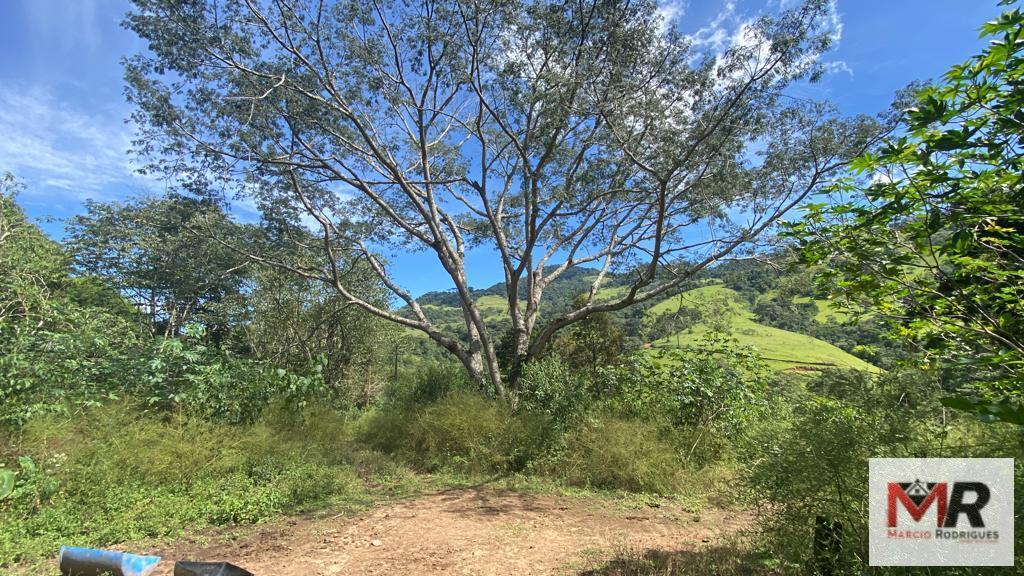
(479, 531)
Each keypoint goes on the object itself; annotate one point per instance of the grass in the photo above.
(492, 305)
(825, 312)
(781, 349)
(794, 349)
(115, 474)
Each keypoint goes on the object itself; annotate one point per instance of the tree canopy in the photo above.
(556, 134)
(152, 251)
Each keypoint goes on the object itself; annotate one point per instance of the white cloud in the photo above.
(730, 29)
(837, 66)
(880, 178)
(669, 14)
(51, 143)
(785, 4)
(835, 21)
(716, 35)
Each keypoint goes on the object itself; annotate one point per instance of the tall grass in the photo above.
(115, 474)
(119, 473)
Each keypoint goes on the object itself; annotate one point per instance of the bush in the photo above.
(610, 452)
(472, 434)
(464, 431)
(709, 395)
(814, 461)
(816, 467)
(433, 381)
(550, 388)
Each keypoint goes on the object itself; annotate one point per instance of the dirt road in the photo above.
(479, 531)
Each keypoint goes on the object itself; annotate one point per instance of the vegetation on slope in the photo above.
(724, 311)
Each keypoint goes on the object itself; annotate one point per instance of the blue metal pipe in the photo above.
(75, 561)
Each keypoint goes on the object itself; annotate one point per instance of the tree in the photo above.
(152, 251)
(590, 344)
(63, 339)
(557, 134)
(300, 324)
(929, 230)
(173, 257)
(31, 266)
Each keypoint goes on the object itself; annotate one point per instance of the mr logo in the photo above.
(956, 512)
(916, 497)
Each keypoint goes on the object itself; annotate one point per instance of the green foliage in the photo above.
(786, 313)
(433, 382)
(306, 327)
(615, 453)
(185, 374)
(551, 388)
(679, 320)
(70, 341)
(591, 343)
(717, 386)
(648, 418)
(748, 277)
(818, 467)
(474, 434)
(117, 474)
(812, 460)
(33, 267)
(7, 483)
(163, 253)
(932, 236)
(64, 371)
(462, 431)
(63, 340)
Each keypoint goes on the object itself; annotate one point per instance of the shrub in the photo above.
(611, 452)
(818, 467)
(432, 382)
(550, 388)
(239, 498)
(814, 463)
(464, 431)
(388, 429)
(710, 395)
(186, 374)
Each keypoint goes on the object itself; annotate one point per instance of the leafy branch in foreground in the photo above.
(929, 230)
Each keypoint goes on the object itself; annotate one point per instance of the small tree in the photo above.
(590, 344)
(298, 324)
(64, 340)
(929, 230)
(559, 135)
(152, 252)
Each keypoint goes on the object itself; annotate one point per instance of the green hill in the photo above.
(723, 299)
(722, 307)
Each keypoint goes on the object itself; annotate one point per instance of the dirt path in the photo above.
(467, 531)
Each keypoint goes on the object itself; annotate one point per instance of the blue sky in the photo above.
(63, 128)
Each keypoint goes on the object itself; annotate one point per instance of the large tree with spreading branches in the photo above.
(558, 134)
